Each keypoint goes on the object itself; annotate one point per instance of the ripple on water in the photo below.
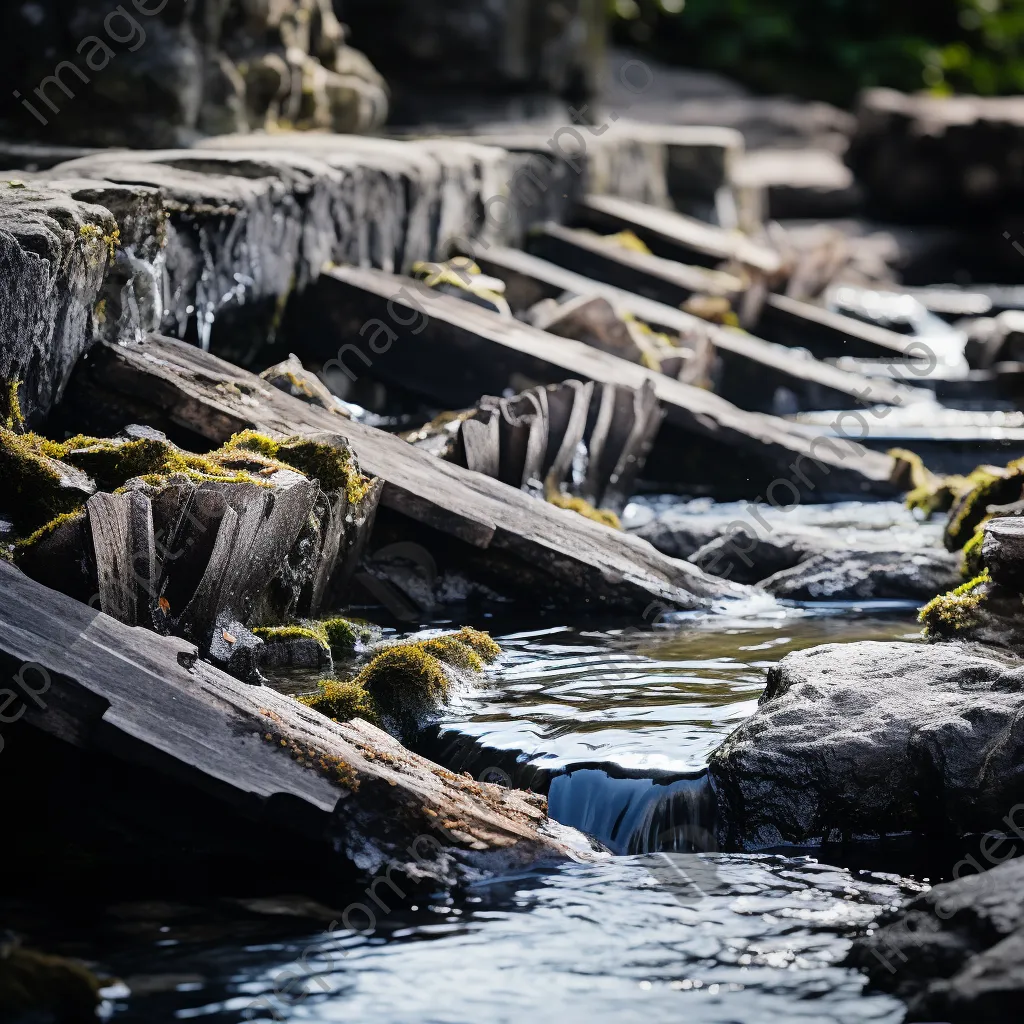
(661, 700)
(621, 941)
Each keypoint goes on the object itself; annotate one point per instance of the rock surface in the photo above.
(955, 953)
(179, 72)
(466, 61)
(874, 738)
(53, 263)
(845, 575)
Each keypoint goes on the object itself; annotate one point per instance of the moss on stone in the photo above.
(342, 701)
(584, 508)
(481, 642)
(927, 492)
(986, 485)
(34, 986)
(341, 637)
(283, 634)
(44, 531)
(10, 411)
(34, 481)
(345, 635)
(971, 564)
(957, 612)
(406, 683)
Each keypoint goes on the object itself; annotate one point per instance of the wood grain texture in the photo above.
(148, 700)
(605, 567)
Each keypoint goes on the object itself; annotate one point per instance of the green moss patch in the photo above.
(957, 612)
(406, 681)
(334, 467)
(342, 701)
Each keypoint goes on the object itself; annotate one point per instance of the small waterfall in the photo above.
(632, 813)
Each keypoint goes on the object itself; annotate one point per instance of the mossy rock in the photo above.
(927, 492)
(342, 638)
(342, 701)
(956, 614)
(985, 486)
(37, 987)
(407, 682)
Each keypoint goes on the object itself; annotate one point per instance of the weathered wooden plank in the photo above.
(449, 350)
(676, 236)
(828, 335)
(655, 278)
(752, 368)
(147, 700)
(570, 556)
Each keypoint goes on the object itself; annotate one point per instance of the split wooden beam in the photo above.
(449, 350)
(751, 369)
(549, 552)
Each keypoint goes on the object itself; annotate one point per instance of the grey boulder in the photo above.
(870, 739)
(956, 952)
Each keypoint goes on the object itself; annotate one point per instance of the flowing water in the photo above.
(616, 725)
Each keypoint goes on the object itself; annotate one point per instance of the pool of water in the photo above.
(658, 700)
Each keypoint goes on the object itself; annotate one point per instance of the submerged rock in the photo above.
(956, 952)
(874, 738)
(843, 575)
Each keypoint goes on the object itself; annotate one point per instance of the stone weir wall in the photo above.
(217, 239)
(166, 72)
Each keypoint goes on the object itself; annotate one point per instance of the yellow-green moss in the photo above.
(345, 635)
(627, 240)
(584, 508)
(281, 634)
(970, 563)
(339, 636)
(44, 531)
(342, 701)
(986, 485)
(333, 467)
(405, 683)
(34, 481)
(956, 612)
(481, 642)
(10, 413)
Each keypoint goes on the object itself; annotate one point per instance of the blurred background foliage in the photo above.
(830, 49)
